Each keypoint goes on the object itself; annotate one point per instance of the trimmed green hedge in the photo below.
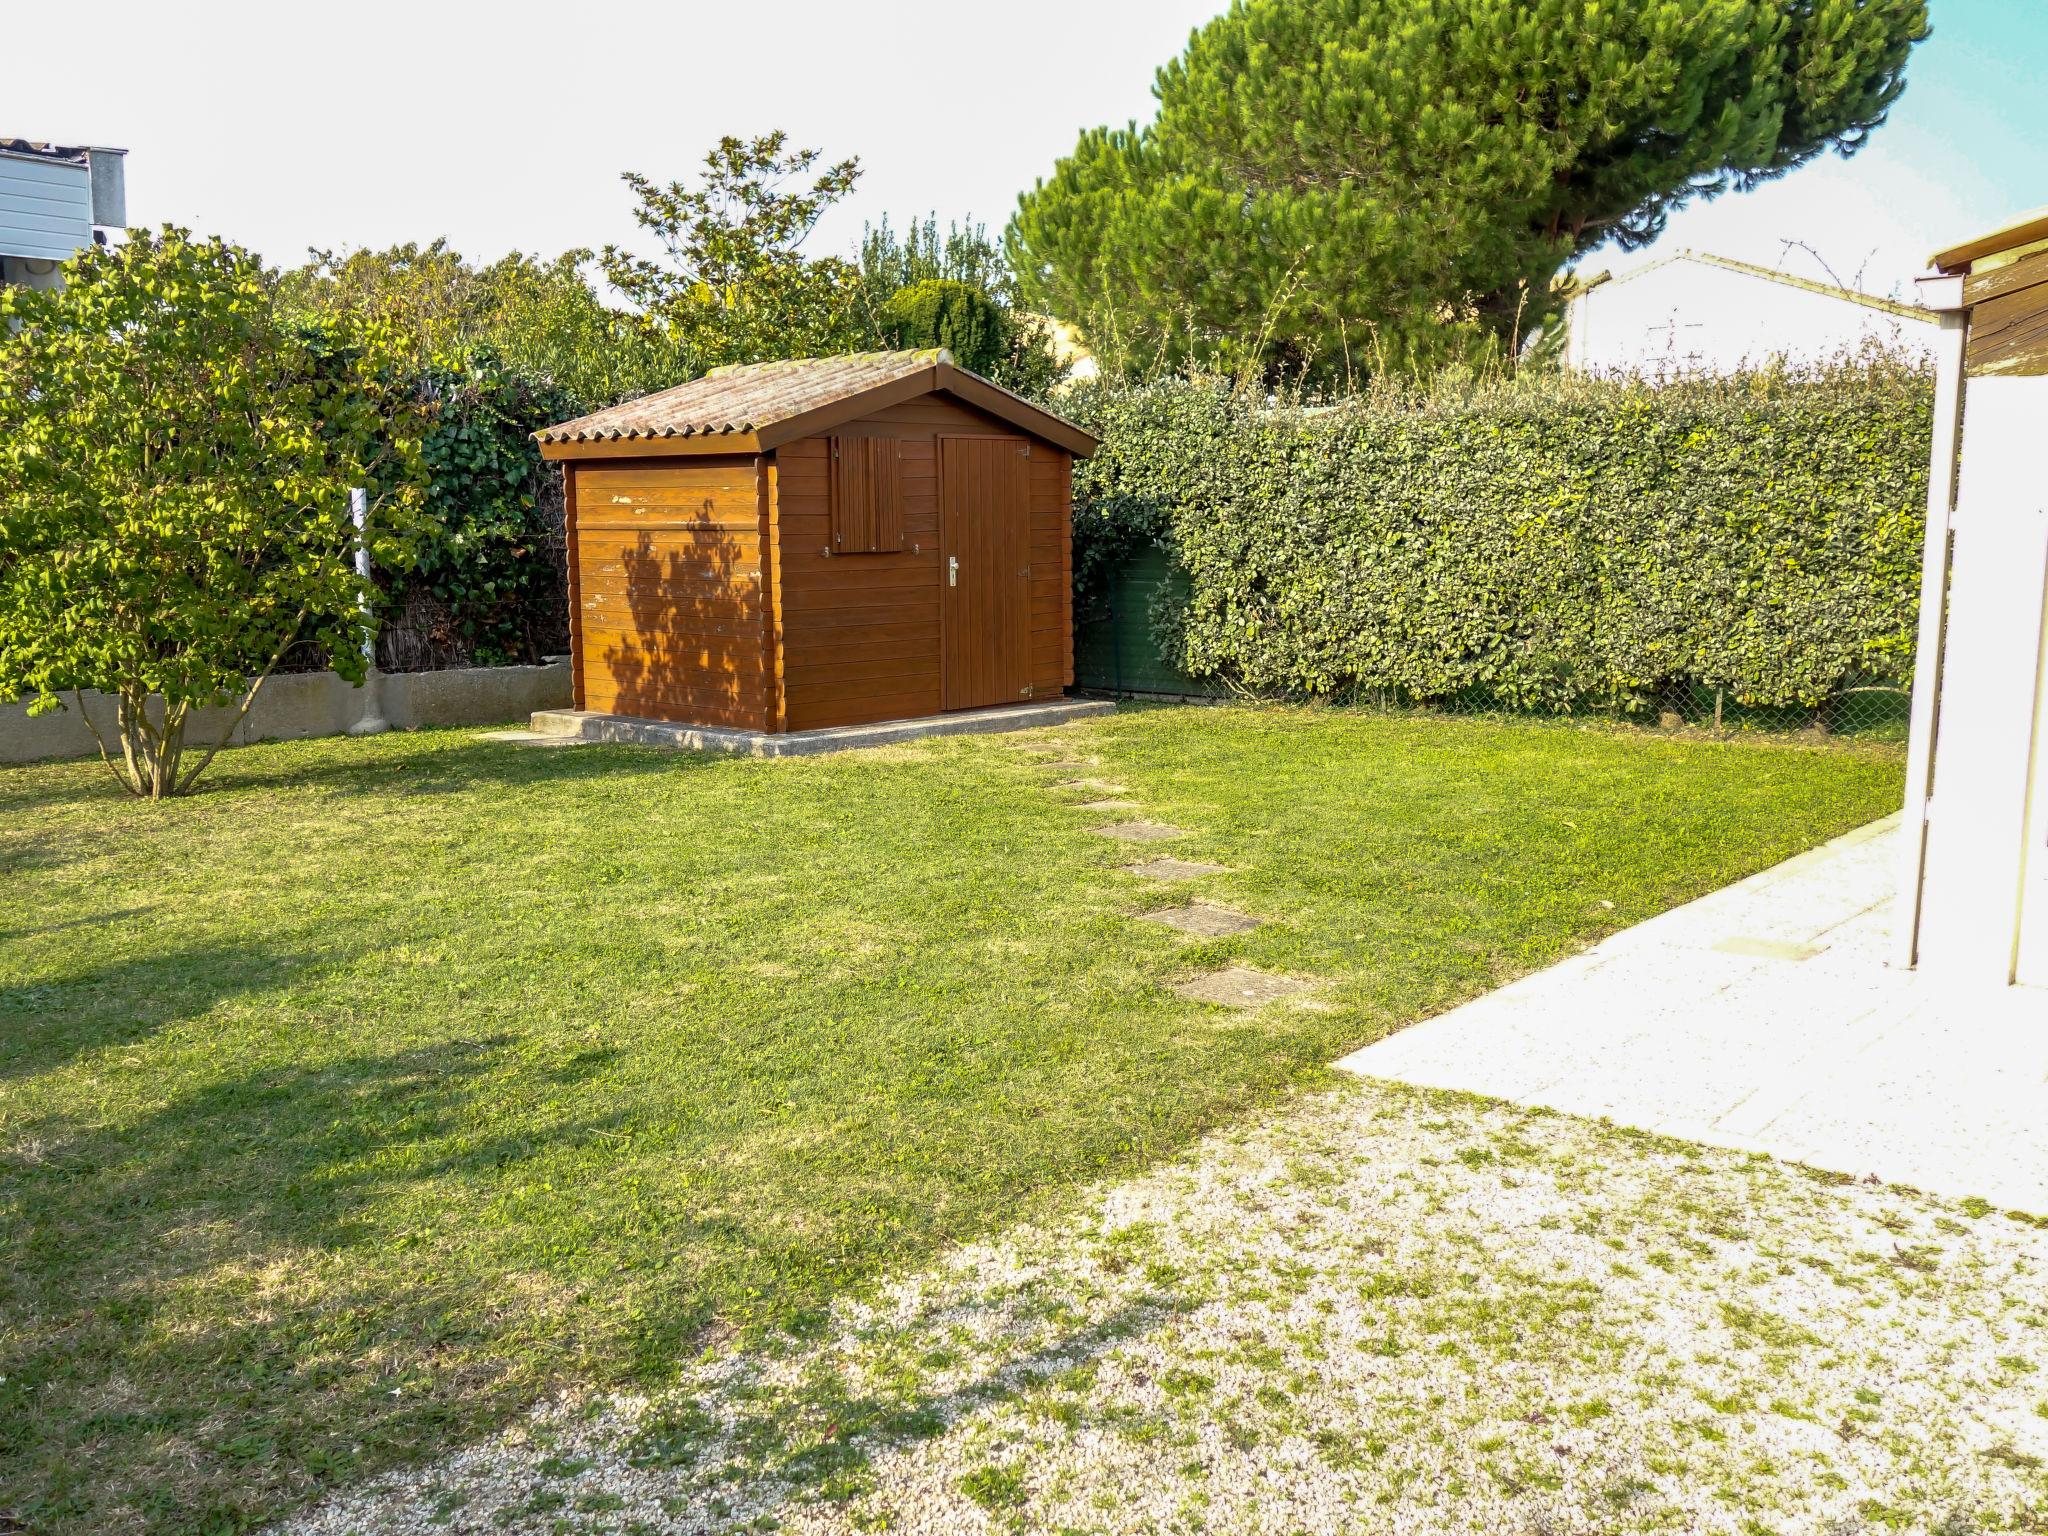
(1550, 545)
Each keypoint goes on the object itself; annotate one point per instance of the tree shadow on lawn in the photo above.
(66, 925)
(193, 1269)
(406, 761)
(45, 1024)
(26, 853)
(293, 1152)
(385, 765)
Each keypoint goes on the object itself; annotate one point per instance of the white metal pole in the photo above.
(371, 721)
(1945, 294)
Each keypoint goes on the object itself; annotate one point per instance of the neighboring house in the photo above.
(54, 201)
(1070, 350)
(1698, 313)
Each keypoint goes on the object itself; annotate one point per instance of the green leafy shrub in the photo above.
(1545, 544)
(956, 316)
(483, 553)
(542, 317)
(175, 468)
(1020, 356)
(471, 571)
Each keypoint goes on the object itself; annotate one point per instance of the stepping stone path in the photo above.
(1141, 831)
(1171, 870)
(1241, 987)
(1205, 919)
(1237, 986)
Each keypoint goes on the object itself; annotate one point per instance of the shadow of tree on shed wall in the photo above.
(695, 651)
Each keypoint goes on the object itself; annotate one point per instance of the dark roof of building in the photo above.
(66, 153)
(756, 406)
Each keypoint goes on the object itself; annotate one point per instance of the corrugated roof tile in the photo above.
(745, 398)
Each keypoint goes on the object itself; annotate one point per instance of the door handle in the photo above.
(952, 570)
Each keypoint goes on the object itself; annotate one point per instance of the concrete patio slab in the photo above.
(1204, 919)
(1170, 871)
(588, 725)
(1764, 1017)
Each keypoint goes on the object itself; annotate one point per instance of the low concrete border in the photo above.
(302, 704)
(588, 725)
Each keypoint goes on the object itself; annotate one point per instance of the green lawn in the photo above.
(348, 1105)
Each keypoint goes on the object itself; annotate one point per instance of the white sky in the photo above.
(284, 125)
(505, 126)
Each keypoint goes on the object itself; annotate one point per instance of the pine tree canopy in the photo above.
(1345, 186)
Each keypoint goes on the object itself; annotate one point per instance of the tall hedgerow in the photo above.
(1548, 544)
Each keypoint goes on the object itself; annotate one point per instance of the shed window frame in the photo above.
(867, 495)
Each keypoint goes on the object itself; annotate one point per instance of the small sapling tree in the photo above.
(175, 464)
(735, 285)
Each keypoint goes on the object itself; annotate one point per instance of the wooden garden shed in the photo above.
(825, 542)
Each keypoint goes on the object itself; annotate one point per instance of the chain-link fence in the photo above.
(1117, 654)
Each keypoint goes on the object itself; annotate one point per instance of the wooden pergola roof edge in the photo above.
(2028, 229)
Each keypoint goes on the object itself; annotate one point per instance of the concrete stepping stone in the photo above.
(1169, 871)
(1205, 919)
(1100, 786)
(1065, 765)
(1107, 805)
(1141, 831)
(1241, 987)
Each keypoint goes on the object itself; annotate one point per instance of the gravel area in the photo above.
(1385, 1309)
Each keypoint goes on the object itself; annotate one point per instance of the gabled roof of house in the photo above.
(1771, 274)
(754, 407)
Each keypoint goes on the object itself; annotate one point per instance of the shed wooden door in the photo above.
(984, 571)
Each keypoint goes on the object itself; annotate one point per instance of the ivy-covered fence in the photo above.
(1548, 545)
(487, 583)
(476, 573)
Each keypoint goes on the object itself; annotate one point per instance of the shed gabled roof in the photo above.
(758, 406)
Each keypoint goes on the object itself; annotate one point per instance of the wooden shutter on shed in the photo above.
(867, 498)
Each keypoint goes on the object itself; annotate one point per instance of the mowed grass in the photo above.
(352, 1103)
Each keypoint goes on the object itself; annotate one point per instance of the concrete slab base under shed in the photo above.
(588, 725)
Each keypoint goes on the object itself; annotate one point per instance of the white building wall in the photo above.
(1685, 315)
(45, 208)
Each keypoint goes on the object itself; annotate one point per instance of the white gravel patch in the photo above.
(1387, 1310)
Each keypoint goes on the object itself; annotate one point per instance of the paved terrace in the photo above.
(1764, 1017)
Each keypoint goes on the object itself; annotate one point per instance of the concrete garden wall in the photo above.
(312, 704)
